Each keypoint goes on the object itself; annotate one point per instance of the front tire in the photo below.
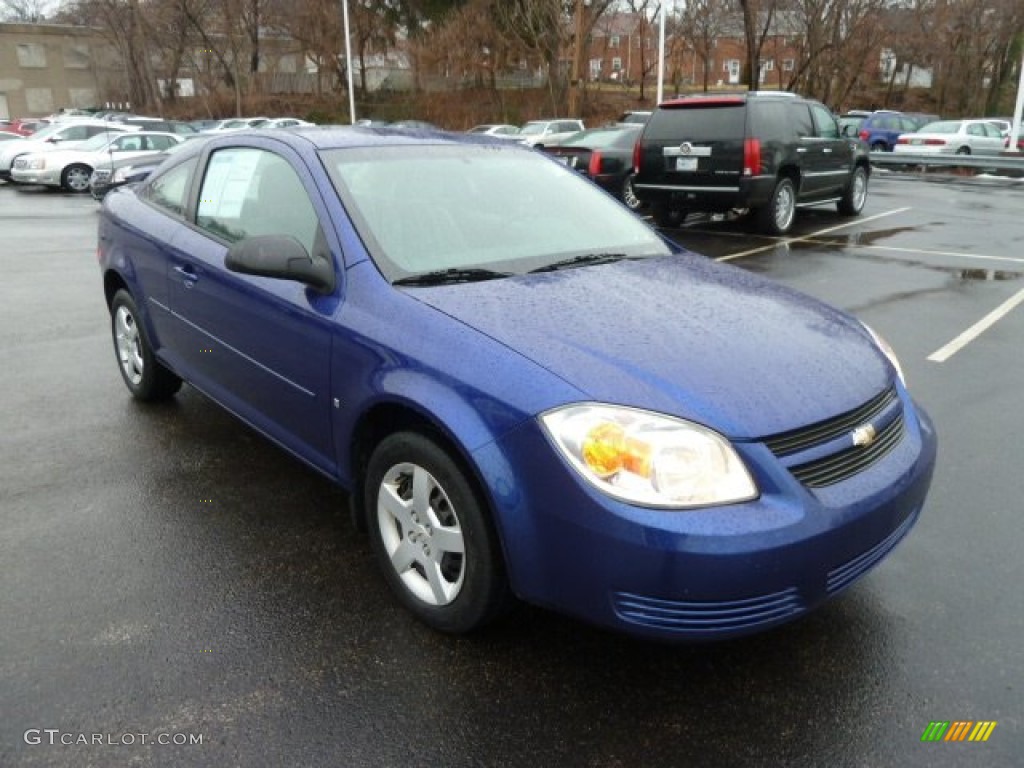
(144, 376)
(76, 178)
(776, 218)
(856, 193)
(432, 535)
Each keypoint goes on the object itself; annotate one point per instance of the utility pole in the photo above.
(579, 49)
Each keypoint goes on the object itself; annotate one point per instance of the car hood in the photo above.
(680, 335)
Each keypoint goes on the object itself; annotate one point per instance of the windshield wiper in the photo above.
(453, 275)
(581, 261)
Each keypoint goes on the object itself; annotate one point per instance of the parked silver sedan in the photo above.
(952, 137)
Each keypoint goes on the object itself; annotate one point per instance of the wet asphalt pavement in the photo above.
(167, 574)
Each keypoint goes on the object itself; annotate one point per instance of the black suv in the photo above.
(767, 152)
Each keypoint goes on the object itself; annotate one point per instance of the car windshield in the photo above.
(533, 129)
(423, 209)
(944, 126)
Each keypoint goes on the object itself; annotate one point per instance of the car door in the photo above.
(836, 152)
(260, 346)
(991, 141)
(810, 152)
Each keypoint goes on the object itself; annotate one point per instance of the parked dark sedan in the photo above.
(604, 155)
(551, 402)
(117, 173)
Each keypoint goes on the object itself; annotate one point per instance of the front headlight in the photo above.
(35, 164)
(886, 350)
(647, 458)
(121, 174)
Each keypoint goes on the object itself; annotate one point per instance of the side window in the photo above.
(74, 133)
(802, 124)
(992, 131)
(909, 125)
(170, 191)
(159, 142)
(975, 130)
(248, 192)
(824, 123)
(772, 121)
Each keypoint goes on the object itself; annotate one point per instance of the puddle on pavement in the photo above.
(838, 243)
(985, 274)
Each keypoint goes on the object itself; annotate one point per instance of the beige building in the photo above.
(44, 67)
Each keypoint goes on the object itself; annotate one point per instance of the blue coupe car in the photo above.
(526, 390)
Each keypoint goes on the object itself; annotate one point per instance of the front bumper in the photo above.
(702, 574)
(50, 178)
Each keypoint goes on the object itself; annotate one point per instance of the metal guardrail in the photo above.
(1008, 162)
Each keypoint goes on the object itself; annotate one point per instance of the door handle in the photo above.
(801, 150)
(827, 150)
(188, 274)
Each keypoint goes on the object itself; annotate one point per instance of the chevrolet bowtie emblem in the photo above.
(864, 436)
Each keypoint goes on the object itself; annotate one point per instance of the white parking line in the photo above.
(925, 252)
(811, 236)
(943, 354)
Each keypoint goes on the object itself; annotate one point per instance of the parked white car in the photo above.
(952, 137)
(497, 130)
(62, 135)
(548, 133)
(71, 168)
(286, 122)
(238, 124)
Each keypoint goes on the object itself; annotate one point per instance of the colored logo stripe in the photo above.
(958, 730)
(935, 731)
(982, 731)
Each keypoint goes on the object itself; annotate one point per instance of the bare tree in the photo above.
(644, 11)
(23, 11)
(701, 25)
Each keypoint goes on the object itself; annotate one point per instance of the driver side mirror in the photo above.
(282, 257)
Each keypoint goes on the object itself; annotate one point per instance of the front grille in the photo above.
(883, 412)
(707, 617)
(839, 466)
(21, 163)
(797, 440)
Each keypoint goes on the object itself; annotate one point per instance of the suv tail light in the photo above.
(864, 135)
(752, 157)
(595, 163)
(637, 156)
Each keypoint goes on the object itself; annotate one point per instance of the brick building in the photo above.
(44, 67)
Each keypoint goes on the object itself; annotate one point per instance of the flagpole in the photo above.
(348, 65)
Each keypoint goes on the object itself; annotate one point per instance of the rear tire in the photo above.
(665, 215)
(879, 146)
(964, 151)
(776, 218)
(629, 197)
(856, 193)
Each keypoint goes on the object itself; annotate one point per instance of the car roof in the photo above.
(343, 136)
